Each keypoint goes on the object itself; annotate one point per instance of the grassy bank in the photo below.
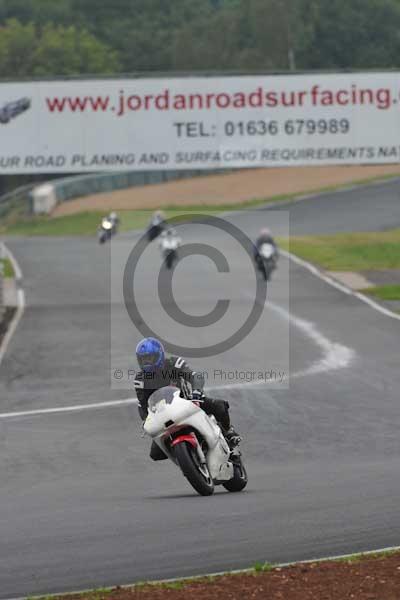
(80, 224)
(349, 251)
(8, 270)
(384, 292)
(360, 576)
(86, 224)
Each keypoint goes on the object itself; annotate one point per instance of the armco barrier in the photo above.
(18, 200)
(69, 188)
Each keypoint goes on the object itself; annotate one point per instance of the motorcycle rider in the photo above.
(168, 236)
(114, 219)
(158, 219)
(264, 237)
(156, 226)
(158, 371)
(111, 220)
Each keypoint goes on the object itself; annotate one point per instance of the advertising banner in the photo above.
(199, 122)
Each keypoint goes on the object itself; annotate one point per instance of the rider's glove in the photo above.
(186, 388)
(197, 395)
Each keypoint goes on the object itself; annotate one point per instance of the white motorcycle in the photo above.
(106, 230)
(267, 260)
(169, 244)
(194, 441)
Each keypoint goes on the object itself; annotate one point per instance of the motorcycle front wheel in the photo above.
(239, 479)
(169, 260)
(197, 474)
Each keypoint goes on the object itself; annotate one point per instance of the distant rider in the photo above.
(158, 371)
(157, 225)
(168, 239)
(158, 218)
(265, 237)
(114, 220)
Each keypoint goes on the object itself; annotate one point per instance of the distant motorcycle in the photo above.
(156, 227)
(154, 231)
(106, 230)
(194, 441)
(169, 244)
(267, 260)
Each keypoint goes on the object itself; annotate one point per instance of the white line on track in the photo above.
(334, 356)
(21, 304)
(332, 282)
(68, 409)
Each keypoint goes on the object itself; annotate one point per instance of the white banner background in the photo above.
(199, 122)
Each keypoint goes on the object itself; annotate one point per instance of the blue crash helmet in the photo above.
(150, 354)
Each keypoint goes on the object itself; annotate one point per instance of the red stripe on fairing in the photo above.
(189, 437)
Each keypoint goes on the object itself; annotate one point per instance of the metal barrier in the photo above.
(20, 200)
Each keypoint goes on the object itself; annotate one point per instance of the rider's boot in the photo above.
(232, 437)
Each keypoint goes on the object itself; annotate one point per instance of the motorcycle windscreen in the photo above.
(165, 395)
(170, 244)
(267, 250)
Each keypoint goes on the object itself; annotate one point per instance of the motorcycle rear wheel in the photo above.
(189, 463)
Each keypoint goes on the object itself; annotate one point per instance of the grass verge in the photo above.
(384, 292)
(349, 251)
(86, 224)
(8, 270)
(315, 579)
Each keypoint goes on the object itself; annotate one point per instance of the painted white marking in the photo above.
(68, 409)
(334, 356)
(315, 271)
(321, 275)
(376, 306)
(21, 305)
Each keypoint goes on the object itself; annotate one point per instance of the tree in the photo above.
(64, 37)
(37, 11)
(352, 34)
(28, 50)
(72, 51)
(17, 44)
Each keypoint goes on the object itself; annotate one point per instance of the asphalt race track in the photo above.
(81, 503)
